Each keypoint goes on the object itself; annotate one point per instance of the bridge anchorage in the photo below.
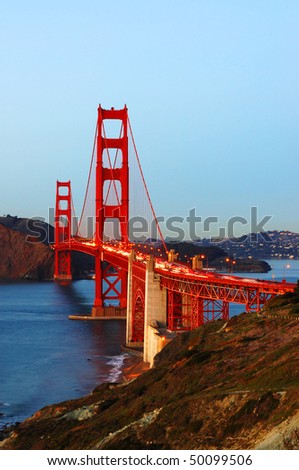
(157, 295)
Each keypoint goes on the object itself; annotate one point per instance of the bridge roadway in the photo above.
(179, 277)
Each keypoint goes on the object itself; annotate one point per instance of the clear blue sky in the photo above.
(211, 87)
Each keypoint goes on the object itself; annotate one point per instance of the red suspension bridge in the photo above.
(147, 290)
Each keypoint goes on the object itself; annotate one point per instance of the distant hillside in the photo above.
(37, 230)
(214, 256)
(271, 244)
(20, 259)
(188, 249)
(226, 385)
(25, 251)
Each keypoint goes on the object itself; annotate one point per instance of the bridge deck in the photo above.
(174, 273)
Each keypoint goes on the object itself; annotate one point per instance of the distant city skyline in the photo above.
(211, 89)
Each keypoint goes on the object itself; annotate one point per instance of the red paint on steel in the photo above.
(62, 230)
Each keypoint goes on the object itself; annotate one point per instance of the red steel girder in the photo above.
(252, 296)
(186, 312)
(215, 310)
(120, 208)
(106, 210)
(62, 230)
(174, 310)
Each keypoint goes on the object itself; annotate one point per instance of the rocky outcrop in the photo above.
(23, 258)
(25, 251)
(226, 385)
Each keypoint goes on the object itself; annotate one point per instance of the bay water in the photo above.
(45, 357)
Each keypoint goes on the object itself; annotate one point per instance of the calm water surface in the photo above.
(46, 358)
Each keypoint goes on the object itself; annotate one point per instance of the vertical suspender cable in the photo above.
(146, 190)
(88, 180)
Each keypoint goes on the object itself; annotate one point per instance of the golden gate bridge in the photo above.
(150, 291)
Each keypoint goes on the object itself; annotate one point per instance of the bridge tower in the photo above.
(111, 205)
(63, 218)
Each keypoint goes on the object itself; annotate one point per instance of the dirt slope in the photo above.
(222, 386)
(20, 258)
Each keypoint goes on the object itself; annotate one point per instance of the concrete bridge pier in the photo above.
(154, 319)
(97, 309)
(155, 314)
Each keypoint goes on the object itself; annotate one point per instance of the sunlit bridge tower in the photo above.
(63, 214)
(111, 204)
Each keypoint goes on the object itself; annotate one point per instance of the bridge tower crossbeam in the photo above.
(63, 228)
(111, 178)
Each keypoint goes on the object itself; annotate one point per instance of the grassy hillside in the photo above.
(231, 385)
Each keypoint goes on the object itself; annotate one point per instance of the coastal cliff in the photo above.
(22, 259)
(25, 251)
(225, 385)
